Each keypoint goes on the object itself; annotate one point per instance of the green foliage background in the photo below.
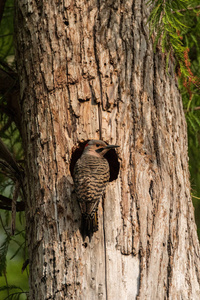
(13, 251)
(175, 29)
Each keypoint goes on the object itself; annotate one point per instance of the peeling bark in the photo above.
(81, 64)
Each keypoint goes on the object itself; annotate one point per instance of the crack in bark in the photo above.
(100, 82)
(56, 173)
(105, 254)
(170, 261)
(154, 125)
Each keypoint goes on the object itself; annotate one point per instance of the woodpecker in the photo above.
(91, 174)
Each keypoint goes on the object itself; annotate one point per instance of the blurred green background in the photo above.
(13, 252)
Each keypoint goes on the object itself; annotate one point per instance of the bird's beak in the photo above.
(111, 146)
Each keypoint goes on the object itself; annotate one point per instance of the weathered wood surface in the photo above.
(72, 55)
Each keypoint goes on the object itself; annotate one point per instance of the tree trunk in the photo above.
(87, 71)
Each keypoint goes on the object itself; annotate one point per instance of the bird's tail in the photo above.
(89, 224)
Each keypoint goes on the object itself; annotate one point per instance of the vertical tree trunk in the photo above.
(85, 68)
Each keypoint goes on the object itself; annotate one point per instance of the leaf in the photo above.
(191, 122)
(10, 287)
(197, 121)
(3, 253)
(15, 296)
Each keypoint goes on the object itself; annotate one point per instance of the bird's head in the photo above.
(97, 148)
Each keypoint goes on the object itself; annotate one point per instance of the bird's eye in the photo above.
(97, 145)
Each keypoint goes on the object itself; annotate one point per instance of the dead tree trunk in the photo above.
(87, 70)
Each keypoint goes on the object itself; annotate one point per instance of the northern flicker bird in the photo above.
(91, 174)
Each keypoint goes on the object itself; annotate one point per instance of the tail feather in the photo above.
(89, 225)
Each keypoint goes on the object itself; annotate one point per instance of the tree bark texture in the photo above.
(87, 70)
